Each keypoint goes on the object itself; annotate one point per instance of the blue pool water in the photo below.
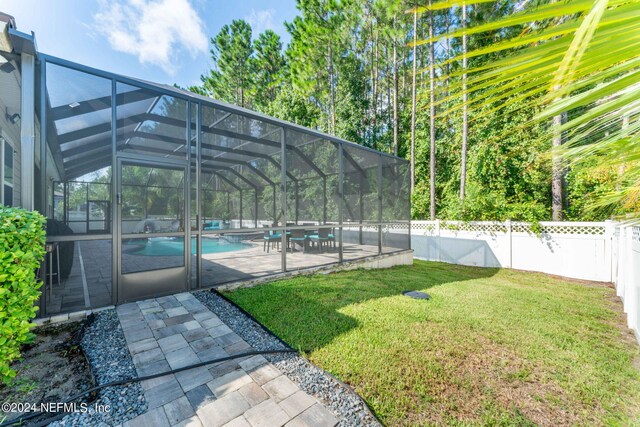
(171, 246)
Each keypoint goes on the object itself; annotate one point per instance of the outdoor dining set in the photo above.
(320, 238)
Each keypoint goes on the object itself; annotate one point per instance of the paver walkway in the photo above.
(175, 331)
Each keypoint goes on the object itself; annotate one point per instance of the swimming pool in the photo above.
(172, 246)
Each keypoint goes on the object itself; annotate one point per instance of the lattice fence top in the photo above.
(635, 234)
(487, 227)
(586, 229)
(403, 227)
(399, 226)
(423, 225)
(483, 227)
(368, 227)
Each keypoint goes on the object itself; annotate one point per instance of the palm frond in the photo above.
(580, 57)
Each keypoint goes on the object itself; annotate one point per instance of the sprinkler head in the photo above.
(416, 294)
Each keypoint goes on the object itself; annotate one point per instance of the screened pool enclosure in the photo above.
(151, 190)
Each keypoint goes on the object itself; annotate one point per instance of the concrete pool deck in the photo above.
(175, 331)
(89, 284)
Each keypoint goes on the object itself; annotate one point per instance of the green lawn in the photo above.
(492, 347)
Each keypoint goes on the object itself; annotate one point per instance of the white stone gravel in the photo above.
(106, 349)
(337, 396)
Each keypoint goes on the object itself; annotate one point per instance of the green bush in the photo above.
(22, 238)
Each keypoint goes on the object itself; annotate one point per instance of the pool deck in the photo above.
(89, 284)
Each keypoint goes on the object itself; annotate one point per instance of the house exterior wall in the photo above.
(10, 103)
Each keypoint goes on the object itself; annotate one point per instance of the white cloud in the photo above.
(152, 30)
(261, 20)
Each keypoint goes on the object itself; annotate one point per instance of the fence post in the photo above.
(609, 233)
(621, 275)
(628, 302)
(507, 224)
(438, 240)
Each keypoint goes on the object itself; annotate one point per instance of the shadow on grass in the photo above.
(305, 311)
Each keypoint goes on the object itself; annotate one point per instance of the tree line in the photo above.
(387, 74)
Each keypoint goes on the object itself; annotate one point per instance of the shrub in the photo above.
(22, 240)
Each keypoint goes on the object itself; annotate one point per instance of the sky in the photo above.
(164, 41)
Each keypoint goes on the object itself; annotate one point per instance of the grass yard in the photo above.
(492, 347)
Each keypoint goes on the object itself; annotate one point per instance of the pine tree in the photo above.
(465, 108)
(231, 79)
(267, 67)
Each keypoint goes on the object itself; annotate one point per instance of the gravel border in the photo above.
(106, 350)
(336, 395)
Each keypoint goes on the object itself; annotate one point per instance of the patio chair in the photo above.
(311, 228)
(270, 237)
(332, 237)
(211, 225)
(322, 238)
(298, 236)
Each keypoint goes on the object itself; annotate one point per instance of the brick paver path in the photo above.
(175, 331)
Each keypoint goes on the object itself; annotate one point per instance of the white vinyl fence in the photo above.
(599, 251)
(626, 255)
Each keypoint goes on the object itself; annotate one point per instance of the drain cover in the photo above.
(416, 294)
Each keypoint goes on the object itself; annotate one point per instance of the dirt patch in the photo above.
(52, 368)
